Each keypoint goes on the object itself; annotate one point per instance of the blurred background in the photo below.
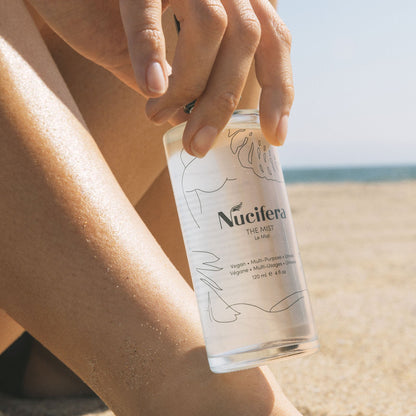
(354, 66)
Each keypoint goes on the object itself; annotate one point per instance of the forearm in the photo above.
(72, 247)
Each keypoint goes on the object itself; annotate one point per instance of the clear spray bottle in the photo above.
(241, 246)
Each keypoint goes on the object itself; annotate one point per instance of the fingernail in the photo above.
(155, 78)
(281, 131)
(203, 140)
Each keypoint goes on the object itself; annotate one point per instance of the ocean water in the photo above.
(351, 174)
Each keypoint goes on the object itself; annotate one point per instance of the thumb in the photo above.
(146, 42)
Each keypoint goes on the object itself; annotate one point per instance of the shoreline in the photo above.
(358, 174)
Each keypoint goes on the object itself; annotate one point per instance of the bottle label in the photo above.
(240, 241)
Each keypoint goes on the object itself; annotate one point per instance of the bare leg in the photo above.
(80, 270)
(157, 209)
(46, 376)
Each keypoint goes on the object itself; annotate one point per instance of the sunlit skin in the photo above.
(81, 269)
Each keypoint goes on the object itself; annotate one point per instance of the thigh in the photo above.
(157, 209)
(114, 114)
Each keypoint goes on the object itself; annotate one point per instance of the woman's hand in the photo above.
(216, 46)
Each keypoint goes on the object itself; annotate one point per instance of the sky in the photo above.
(354, 65)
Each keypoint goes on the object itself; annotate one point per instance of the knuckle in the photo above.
(150, 36)
(249, 29)
(281, 31)
(227, 102)
(213, 18)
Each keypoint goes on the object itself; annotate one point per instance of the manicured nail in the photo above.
(281, 131)
(155, 78)
(203, 140)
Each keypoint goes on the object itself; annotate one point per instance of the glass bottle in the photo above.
(241, 247)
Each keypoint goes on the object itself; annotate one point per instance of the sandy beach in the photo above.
(358, 245)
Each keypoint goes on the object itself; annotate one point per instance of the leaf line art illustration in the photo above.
(252, 153)
(235, 208)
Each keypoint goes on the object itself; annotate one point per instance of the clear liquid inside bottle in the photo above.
(241, 246)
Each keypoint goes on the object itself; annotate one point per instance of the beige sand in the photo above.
(358, 244)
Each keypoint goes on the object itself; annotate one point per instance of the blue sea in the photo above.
(350, 174)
